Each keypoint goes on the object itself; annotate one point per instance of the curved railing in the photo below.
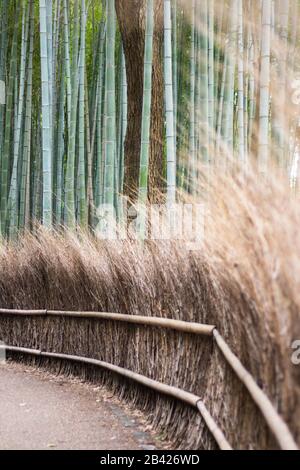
(274, 421)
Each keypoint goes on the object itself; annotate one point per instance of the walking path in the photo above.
(42, 411)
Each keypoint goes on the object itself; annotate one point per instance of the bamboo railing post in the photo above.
(274, 421)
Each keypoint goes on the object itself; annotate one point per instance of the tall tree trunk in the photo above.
(131, 16)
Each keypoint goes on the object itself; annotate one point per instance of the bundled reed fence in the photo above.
(274, 421)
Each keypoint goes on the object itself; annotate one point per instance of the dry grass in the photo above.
(245, 279)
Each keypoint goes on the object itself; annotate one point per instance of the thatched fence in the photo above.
(46, 344)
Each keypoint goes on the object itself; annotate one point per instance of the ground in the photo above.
(41, 411)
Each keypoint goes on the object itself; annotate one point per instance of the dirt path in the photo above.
(41, 411)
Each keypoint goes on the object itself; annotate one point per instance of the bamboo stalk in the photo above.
(171, 151)
(203, 60)
(280, 128)
(241, 129)
(124, 119)
(70, 218)
(264, 105)
(5, 163)
(187, 327)
(213, 427)
(146, 119)
(211, 76)
(192, 138)
(110, 111)
(83, 213)
(13, 208)
(29, 313)
(46, 119)
(61, 128)
(67, 62)
(231, 69)
(24, 214)
(3, 60)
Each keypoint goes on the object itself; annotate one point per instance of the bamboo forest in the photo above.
(219, 89)
(150, 167)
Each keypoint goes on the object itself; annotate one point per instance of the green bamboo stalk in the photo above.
(197, 98)
(60, 146)
(94, 103)
(101, 121)
(110, 111)
(252, 91)
(56, 37)
(56, 62)
(70, 218)
(95, 71)
(38, 179)
(90, 143)
(175, 65)
(192, 143)
(146, 116)
(8, 119)
(241, 128)
(211, 77)
(220, 18)
(280, 127)
(46, 116)
(168, 79)
(203, 60)
(75, 44)
(98, 119)
(119, 118)
(230, 81)
(68, 63)
(124, 119)
(24, 214)
(49, 13)
(264, 105)
(221, 103)
(56, 27)
(83, 213)
(12, 213)
(3, 57)
(180, 104)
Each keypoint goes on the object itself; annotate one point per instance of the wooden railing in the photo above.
(274, 421)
